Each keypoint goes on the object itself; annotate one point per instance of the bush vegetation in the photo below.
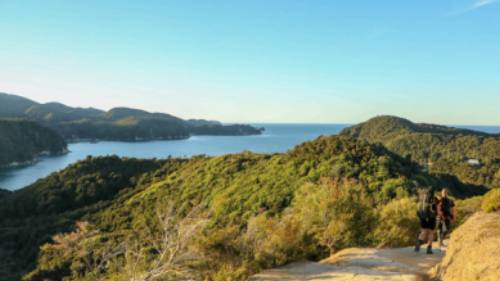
(491, 201)
(440, 149)
(22, 141)
(467, 207)
(210, 218)
(397, 223)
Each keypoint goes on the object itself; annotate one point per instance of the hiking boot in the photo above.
(429, 250)
(417, 245)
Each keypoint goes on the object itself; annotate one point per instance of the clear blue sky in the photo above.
(259, 61)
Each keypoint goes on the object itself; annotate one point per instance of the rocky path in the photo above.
(359, 264)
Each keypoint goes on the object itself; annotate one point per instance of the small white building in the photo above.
(473, 162)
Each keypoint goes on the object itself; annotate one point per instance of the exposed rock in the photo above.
(473, 252)
(357, 264)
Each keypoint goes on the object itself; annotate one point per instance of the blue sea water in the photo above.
(486, 129)
(276, 138)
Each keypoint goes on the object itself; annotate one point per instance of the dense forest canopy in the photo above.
(215, 218)
(22, 141)
(120, 123)
(473, 157)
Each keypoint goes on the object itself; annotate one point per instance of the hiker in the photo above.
(427, 216)
(445, 215)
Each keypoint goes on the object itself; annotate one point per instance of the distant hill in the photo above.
(120, 123)
(57, 112)
(4, 192)
(14, 106)
(225, 130)
(22, 141)
(474, 157)
(203, 122)
(209, 218)
(118, 113)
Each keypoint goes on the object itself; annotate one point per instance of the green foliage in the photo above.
(22, 141)
(258, 210)
(57, 255)
(30, 216)
(126, 129)
(81, 184)
(336, 214)
(442, 150)
(224, 130)
(397, 223)
(491, 201)
(272, 241)
(467, 207)
(323, 218)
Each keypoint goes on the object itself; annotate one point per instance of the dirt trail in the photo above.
(359, 264)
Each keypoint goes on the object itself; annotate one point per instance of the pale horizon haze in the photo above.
(259, 61)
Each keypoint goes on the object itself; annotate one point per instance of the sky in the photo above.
(301, 61)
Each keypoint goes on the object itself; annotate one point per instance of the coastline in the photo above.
(46, 153)
(34, 159)
(169, 138)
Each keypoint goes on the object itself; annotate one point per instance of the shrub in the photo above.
(274, 242)
(491, 201)
(398, 224)
(231, 273)
(335, 214)
(465, 208)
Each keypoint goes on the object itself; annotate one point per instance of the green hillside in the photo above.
(22, 141)
(120, 123)
(4, 192)
(224, 130)
(126, 129)
(209, 218)
(13, 106)
(56, 112)
(440, 149)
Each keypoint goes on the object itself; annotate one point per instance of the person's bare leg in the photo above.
(420, 239)
(440, 233)
(430, 239)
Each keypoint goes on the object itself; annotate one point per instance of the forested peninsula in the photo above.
(21, 142)
(116, 124)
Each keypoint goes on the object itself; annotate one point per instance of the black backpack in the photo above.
(425, 208)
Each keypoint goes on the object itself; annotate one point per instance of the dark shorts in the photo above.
(428, 223)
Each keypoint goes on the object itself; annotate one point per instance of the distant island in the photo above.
(23, 141)
(117, 124)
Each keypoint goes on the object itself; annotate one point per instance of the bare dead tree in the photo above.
(170, 245)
